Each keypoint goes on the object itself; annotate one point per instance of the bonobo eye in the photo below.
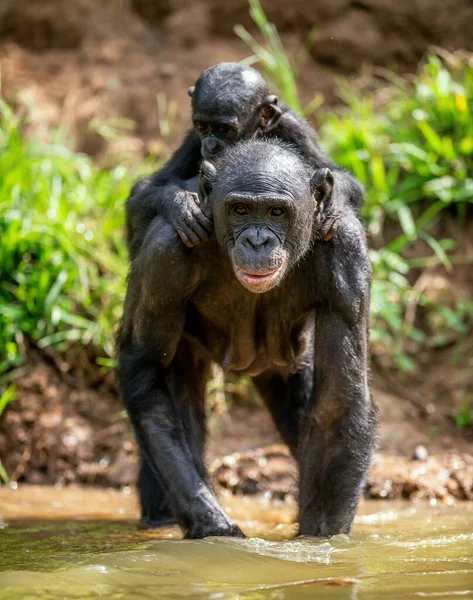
(240, 209)
(201, 127)
(276, 211)
(224, 129)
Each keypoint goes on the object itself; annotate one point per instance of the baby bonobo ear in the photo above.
(207, 178)
(321, 185)
(191, 90)
(269, 113)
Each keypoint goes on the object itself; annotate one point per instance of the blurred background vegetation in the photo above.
(409, 140)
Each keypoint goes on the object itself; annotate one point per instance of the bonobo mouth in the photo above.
(258, 281)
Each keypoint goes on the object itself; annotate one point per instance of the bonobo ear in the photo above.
(207, 178)
(321, 185)
(269, 113)
(190, 91)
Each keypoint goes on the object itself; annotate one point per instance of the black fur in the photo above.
(227, 95)
(266, 296)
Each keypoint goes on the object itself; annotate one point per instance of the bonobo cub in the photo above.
(268, 297)
(230, 102)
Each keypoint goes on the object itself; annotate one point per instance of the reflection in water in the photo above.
(397, 551)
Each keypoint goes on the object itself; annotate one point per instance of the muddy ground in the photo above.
(73, 61)
(67, 426)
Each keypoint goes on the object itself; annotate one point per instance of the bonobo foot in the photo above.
(201, 530)
(147, 522)
(189, 219)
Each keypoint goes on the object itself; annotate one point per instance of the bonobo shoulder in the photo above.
(164, 259)
(141, 186)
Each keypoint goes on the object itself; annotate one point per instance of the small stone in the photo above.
(167, 70)
(420, 453)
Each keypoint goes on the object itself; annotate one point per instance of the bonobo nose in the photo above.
(255, 239)
(212, 146)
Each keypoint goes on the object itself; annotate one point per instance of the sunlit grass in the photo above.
(63, 261)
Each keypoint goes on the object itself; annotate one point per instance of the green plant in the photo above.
(279, 70)
(5, 399)
(63, 260)
(464, 417)
(167, 115)
(410, 143)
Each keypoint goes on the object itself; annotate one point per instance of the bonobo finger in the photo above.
(203, 220)
(193, 227)
(193, 231)
(184, 237)
(195, 198)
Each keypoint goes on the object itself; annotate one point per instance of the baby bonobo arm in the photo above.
(165, 193)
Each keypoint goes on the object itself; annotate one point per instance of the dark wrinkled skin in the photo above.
(230, 102)
(302, 335)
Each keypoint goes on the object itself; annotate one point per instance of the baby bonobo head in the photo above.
(264, 199)
(231, 102)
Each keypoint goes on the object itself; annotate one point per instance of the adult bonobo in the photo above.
(266, 296)
(230, 102)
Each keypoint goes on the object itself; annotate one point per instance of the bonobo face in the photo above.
(263, 204)
(230, 102)
(257, 224)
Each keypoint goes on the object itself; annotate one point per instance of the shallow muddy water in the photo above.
(90, 547)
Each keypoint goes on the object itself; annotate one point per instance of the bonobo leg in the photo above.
(166, 409)
(337, 440)
(155, 509)
(287, 397)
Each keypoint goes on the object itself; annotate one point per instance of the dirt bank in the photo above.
(67, 426)
(272, 472)
(77, 60)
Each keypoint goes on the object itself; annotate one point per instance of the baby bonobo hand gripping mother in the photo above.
(266, 296)
(230, 103)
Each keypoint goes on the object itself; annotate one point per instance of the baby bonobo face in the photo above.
(263, 205)
(230, 103)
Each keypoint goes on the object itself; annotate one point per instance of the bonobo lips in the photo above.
(257, 281)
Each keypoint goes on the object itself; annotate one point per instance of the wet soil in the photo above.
(67, 426)
(272, 472)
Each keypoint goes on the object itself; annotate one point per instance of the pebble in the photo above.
(420, 453)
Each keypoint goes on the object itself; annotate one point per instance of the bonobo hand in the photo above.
(189, 219)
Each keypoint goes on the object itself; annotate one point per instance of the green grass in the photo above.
(63, 260)
(280, 70)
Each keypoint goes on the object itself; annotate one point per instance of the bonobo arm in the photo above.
(338, 431)
(162, 380)
(164, 193)
(297, 131)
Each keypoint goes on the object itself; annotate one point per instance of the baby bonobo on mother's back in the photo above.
(267, 297)
(230, 102)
